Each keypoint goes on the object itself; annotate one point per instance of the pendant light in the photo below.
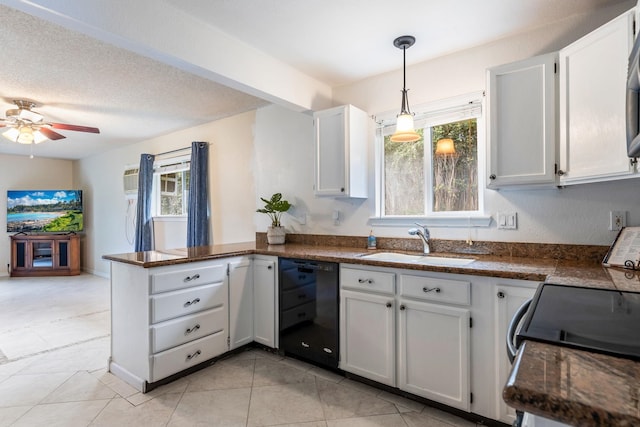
(404, 124)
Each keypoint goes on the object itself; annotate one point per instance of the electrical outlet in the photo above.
(617, 220)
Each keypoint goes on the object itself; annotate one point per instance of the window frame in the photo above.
(160, 167)
(433, 114)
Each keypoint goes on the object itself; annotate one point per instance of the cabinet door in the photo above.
(265, 300)
(367, 336)
(434, 352)
(341, 152)
(240, 303)
(522, 122)
(508, 300)
(593, 79)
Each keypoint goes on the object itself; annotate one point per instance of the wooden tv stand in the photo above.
(45, 255)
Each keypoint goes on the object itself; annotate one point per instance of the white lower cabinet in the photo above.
(168, 319)
(408, 338)
(265, 300)
(367, 335)
(240, 302)
(433, 352)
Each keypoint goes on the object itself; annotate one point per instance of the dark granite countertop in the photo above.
(573, 386)
(483, 265)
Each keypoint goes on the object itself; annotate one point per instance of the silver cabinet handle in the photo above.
(190, 278)
(195, 301)
(304, 344)
(194, 355)
(425, 289)
(195, 328)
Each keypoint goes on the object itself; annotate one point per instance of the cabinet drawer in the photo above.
(302, 313)
(187, 355)
(435, 289)
(374, 281)
(187, 277)
(172, 333)
(295, 297)
(169, 305)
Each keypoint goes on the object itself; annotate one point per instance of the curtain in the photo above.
(144, 223)
(198, 215)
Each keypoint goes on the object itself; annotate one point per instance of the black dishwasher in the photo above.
(308, 301)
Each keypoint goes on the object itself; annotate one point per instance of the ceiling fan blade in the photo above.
(50, 134)
(74, 127)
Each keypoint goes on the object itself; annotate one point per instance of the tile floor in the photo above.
(54, 345)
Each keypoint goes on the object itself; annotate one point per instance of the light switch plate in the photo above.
(507, 220)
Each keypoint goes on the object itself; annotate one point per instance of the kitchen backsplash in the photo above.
(588, 253)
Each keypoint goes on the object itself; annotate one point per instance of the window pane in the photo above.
(455, 175)
(171, 195)
(404, 177)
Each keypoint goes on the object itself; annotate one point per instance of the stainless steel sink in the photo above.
(417, 259)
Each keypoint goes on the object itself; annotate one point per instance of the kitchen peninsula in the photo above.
(524, 390)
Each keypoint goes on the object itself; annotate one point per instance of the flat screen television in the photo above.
(44, 211)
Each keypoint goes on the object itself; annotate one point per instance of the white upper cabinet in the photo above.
(522, 123)
(341, 136)
(592, 94)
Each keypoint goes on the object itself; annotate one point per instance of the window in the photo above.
(438, 175)
(171, 187)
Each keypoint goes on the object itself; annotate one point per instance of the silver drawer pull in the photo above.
(369, 281)
(327, 350)
(195, 328)
(194, 355)
(195, 301)
(304, 344)
(190, 278)
(425, 289)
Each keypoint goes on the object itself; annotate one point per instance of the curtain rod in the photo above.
(178, 150)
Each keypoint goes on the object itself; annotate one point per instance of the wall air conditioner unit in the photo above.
(130, 181)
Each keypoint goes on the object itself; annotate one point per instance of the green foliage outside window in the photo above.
(453, 178)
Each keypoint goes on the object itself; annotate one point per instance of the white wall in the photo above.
(23, 173)
(231, 183)
(577, 214)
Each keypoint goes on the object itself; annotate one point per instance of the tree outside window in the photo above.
(419, 179)
(174, 193)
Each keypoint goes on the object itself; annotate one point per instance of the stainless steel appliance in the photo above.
(309, 310)
(633, 102)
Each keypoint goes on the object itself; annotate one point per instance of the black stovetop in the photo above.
(601, 320)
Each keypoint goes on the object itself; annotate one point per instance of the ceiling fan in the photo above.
(27, 126)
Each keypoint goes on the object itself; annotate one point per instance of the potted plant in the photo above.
(275, 207)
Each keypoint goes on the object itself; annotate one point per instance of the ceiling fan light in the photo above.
(11, 134)
(26, 135)
(39, 137)
(405, 131)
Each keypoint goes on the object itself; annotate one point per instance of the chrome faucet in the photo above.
(423, 232)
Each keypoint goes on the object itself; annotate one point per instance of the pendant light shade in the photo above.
(405, 131)
(445, 147)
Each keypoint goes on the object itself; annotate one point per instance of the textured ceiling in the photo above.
(79, 80)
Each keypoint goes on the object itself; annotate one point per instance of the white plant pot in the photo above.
(275, 235)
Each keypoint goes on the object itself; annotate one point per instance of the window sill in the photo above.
(177, 218)
(433, 221)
